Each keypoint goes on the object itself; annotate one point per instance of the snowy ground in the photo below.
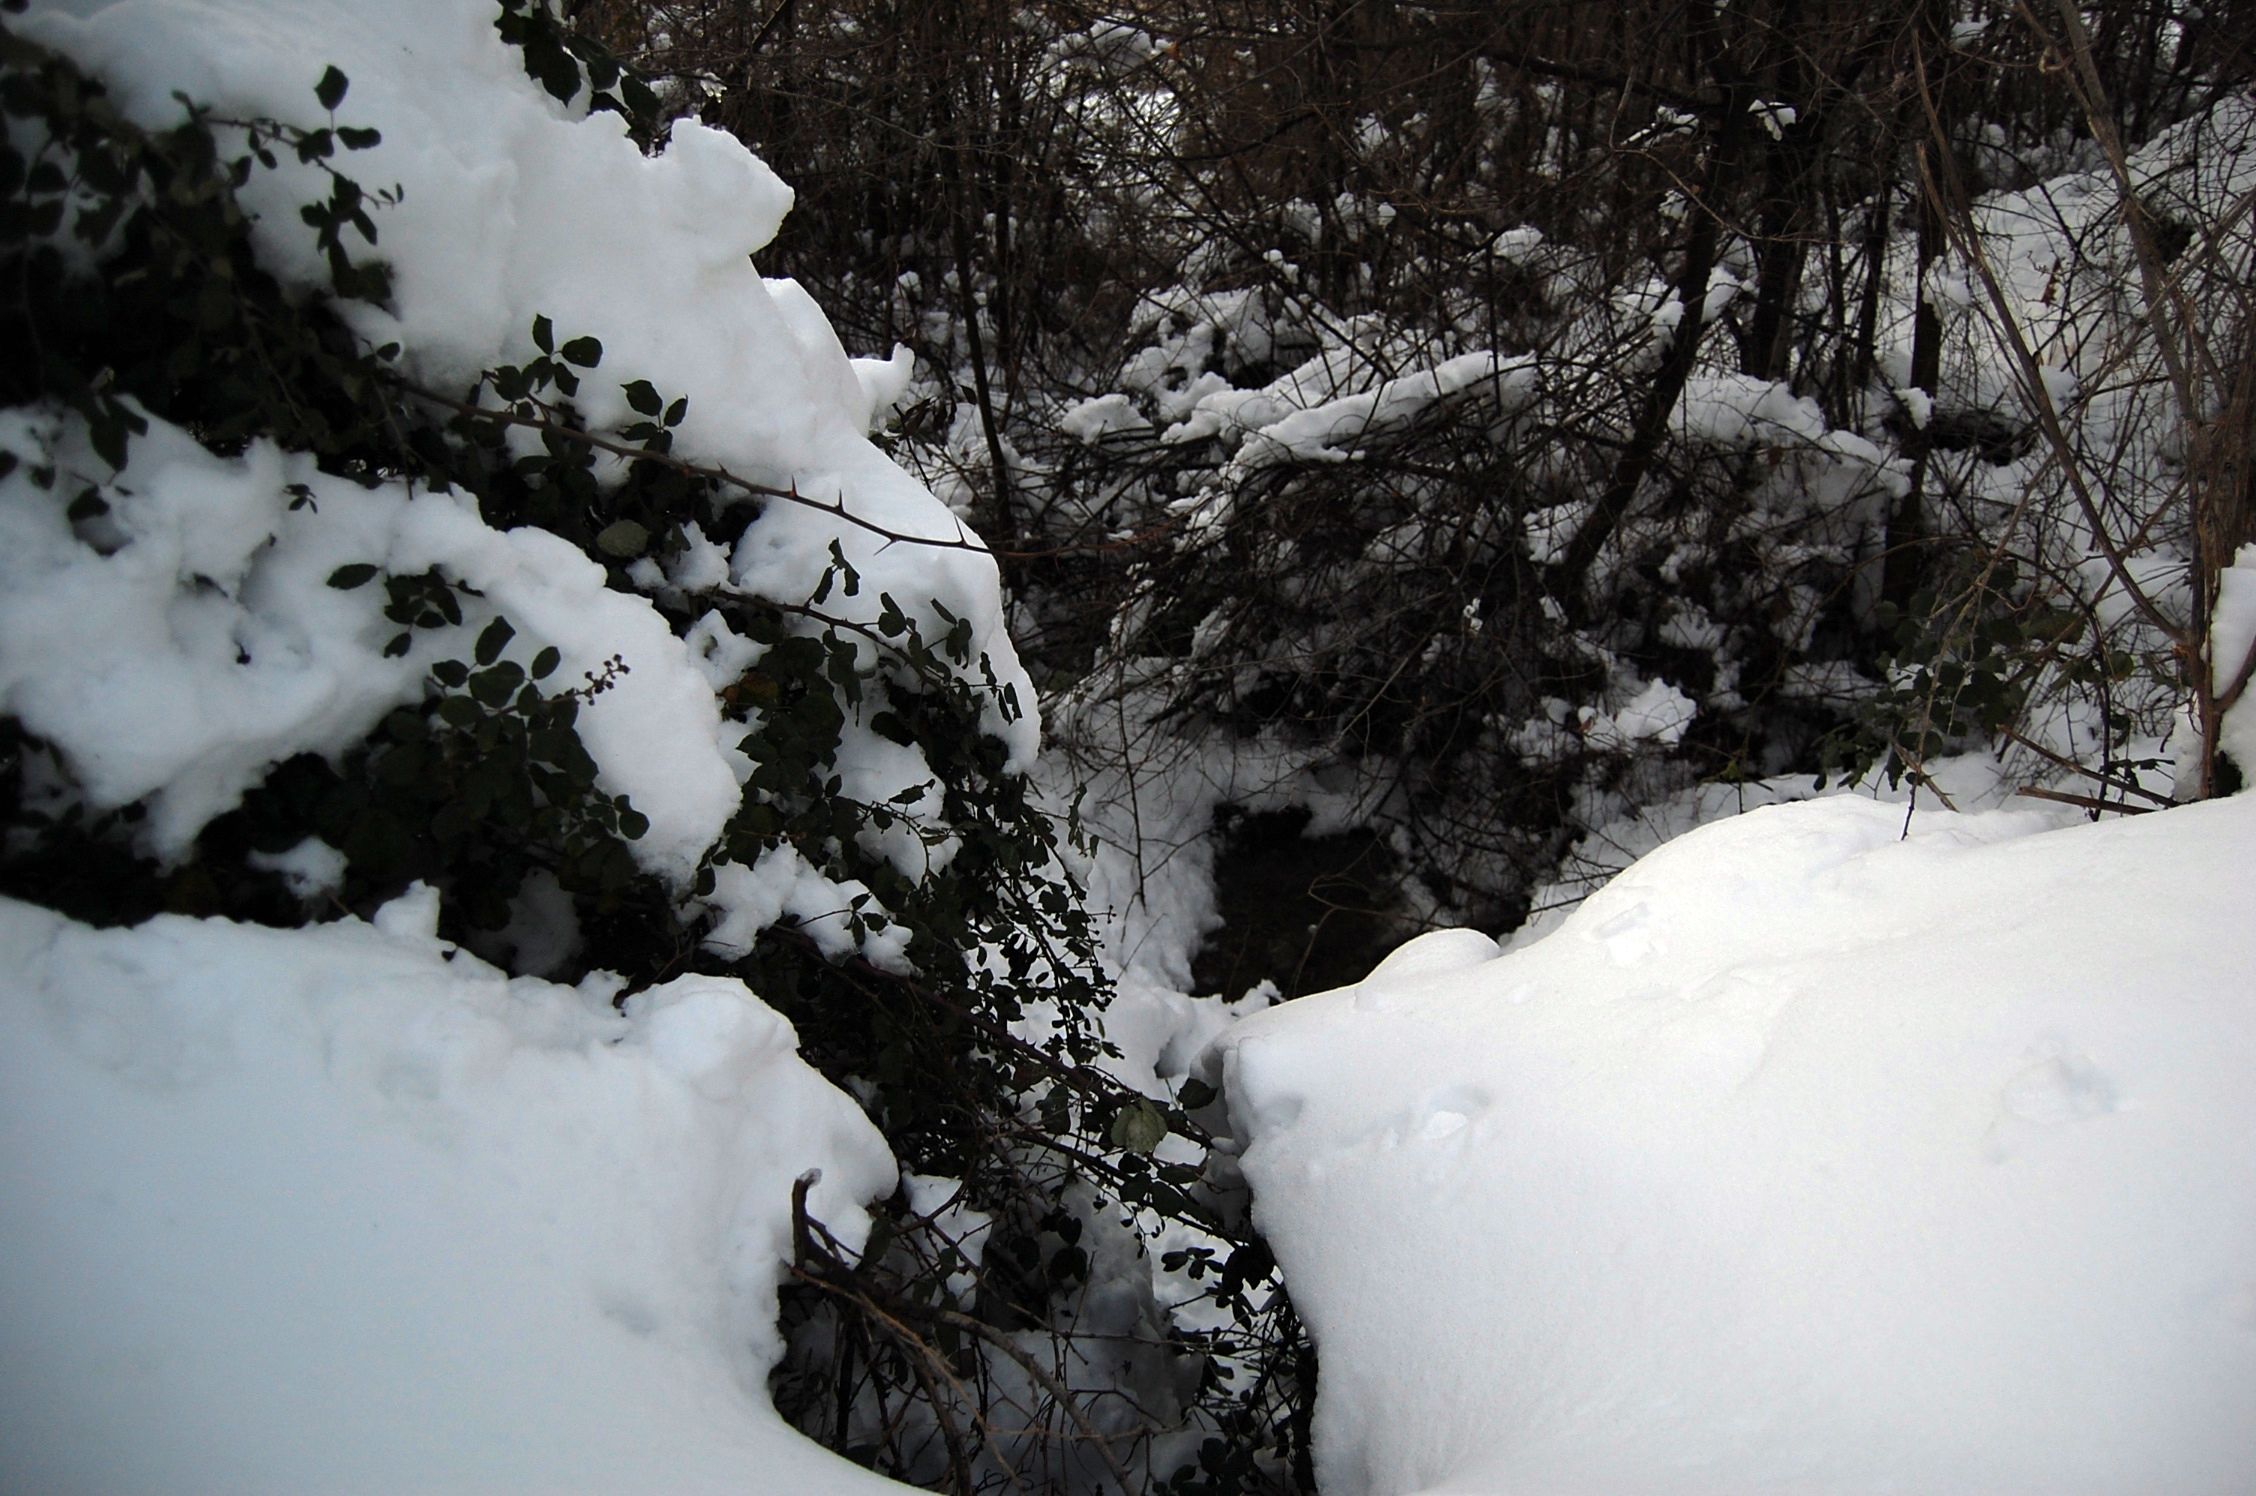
(343, 1209)
(1806, 1156)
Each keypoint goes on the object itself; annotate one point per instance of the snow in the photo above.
(312, 869)
(1091, 421)
(2232, 646)
(1302, 417)
(1807, 1155)
(1835, 1146)
(344, 1209)
(1659, 713)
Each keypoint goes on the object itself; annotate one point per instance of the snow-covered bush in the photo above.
(499, 636)
(411, 491)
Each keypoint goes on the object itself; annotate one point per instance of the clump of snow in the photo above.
(2232, 654)
(1306, 416)
(344, 1209)
(783, 882)
(1658, 713)
(198, 642)
(1091, 421)
(1808, 1155)
(310, 870)
(1519, 246)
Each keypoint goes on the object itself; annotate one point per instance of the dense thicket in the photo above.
(1729, 500)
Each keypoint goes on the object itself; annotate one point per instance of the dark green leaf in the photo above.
(546, 60)
(495, 685)
(359, 574)
(586, 353)
(623, 539)
(460, 711)
(331, 89)
(493, 640)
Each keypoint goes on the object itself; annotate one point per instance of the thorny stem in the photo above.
(963, 540)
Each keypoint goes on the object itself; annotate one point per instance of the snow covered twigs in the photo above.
(2170, 395)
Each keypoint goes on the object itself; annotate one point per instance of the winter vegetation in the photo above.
(1187, 748)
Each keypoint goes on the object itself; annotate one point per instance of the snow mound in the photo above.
(1806, 1156)
(344, 1209)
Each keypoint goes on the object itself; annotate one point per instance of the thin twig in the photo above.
(836, 509)
(1049, 1383)
(2085, 802)
(2060, 761)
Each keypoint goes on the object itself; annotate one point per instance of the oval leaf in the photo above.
(494, 640)
(1139, 1128)
(624, 539)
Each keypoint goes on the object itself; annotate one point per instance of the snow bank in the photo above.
(344, 1209)
(1806, 1156)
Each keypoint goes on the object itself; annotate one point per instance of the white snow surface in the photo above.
(1807, 1155)
(2232, 651)
(344, 1209)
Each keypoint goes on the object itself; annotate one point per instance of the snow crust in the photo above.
(1806, 1155)
(344, 1209)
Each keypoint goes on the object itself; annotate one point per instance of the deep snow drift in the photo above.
(344, 1209)
(1806, 1156)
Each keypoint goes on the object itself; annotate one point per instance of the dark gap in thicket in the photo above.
(1307, 912)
